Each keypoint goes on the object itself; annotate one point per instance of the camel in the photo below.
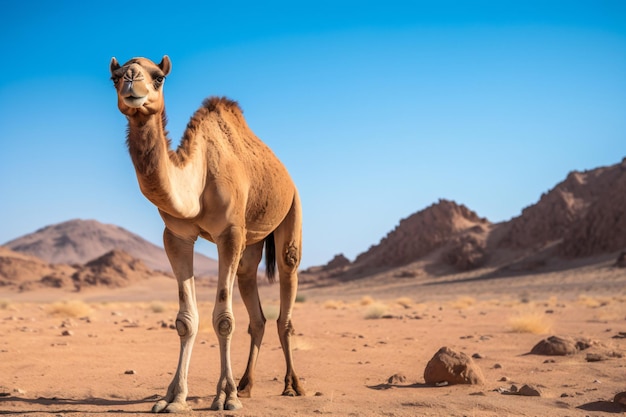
(225, 185)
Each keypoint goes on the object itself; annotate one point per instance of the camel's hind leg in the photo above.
(180, 254)
(247, 280)
(288, 238)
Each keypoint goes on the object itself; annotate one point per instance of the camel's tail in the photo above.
(270, 258)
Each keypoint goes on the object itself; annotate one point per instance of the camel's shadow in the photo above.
(385, 386)
(69, 402)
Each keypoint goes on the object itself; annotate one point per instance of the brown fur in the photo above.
(224, 184)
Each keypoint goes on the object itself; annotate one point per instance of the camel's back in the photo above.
(235, 152)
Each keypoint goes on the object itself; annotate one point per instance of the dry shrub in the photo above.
(405, 302)
(366, 300)
(530, 322)
(375, 311)
(72, 308)
(592, 302)
(157, 307)
(205, 324)
(463, 302)
(271, 312)
(332, 304)
(553, 300)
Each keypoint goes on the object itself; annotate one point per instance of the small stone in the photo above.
(504, 379)
(529, 391)
(477, 356)
(319, 394)
(620, 398)
(130, 372)
(497, 366)
(396, 379)
(67, 333)
(594, 357)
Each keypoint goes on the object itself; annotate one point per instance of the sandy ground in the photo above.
(344, 358)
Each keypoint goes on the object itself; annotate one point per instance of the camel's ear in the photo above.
(165, 65)
(114, 65)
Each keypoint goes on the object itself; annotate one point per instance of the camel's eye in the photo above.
(115, 79)
(158, 81)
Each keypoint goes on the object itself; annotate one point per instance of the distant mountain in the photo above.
(582, 216)
(572, 210)
(16, 269)
(114, 269)
(80, 241)
(422, 233)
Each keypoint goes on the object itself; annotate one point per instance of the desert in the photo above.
(358, 353)
(537, 305)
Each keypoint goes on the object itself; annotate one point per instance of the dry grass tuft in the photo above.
(375, 311)
(205, 324)
(366, 300)
(332, 304)
(405, 302)
(158, 307)
(463, 302)
(271, 312)
(530, 322)
(72, 308)
(592, 302)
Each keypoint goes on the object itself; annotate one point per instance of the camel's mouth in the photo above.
(132, 101)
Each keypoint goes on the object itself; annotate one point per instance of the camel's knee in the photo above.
(285, 327)
(256, 327)
(224, 324)
(291, 255)
(186, 325)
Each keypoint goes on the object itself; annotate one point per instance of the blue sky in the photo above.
(378, 109)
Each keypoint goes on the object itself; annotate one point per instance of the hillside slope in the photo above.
(80, 241)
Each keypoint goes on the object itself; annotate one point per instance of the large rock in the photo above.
(448, 366)
(560, 346)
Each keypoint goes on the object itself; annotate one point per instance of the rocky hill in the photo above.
(582, 216)
(16, 269)
(567, 211)
(114, 269)
(422, 233)
(80, 241)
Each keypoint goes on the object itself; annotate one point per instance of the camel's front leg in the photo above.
(230, 245)
(180, 254)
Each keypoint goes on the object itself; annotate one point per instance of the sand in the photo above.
(350, 339)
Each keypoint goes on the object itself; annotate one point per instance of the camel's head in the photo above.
(139, 85)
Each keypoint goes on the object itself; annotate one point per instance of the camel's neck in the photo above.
(174, 186)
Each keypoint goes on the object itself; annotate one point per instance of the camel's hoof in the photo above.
(231, 404)
(244, 393)
(293, 392)
(165, 407)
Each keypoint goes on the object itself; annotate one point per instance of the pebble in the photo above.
(396, 379)
(130, 372)
(67, 333)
